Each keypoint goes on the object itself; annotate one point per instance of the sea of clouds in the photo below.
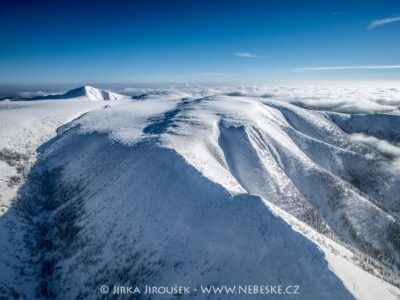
(356, 100)
(353, 100)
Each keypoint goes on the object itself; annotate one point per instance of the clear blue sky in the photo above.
(188, 41)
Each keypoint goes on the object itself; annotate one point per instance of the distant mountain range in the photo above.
(81, 93)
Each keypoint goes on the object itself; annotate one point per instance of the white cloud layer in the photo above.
(348, 68)
(30, 94)
(381, 146)
(250, 55)
(364, 99)
(380, 22)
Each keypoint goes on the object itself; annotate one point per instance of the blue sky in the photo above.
(198, 41)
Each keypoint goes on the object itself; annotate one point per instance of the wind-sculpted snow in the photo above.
(190, 186)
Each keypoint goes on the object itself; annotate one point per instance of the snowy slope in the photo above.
(84, 92)
(24, 126)
(140, 226)
(196, 187)
(342, 262)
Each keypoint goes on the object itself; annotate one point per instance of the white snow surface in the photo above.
(196, 186)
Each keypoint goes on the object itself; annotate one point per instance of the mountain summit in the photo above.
(84, 92)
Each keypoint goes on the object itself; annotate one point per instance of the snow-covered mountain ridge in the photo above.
(295, 158)
(84, 92)
(193, 190)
